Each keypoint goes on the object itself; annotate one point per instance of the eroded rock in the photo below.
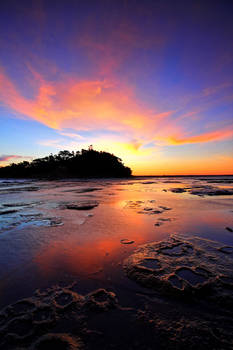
(9, 211)
(84, 190)
(204, 190)
(66, 298)
(57, 341)
(178, 190)
(101, 300)
(97, 321)
(211, 191)
(184, 267)
(149, 182)
(150, 211)
(87, 205)
(164, 207)
(226, 250)
(134, 204)
(126, 241)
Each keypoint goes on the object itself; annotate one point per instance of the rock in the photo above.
(184, 268)
(178, 190)
(22, 306)
(161, 221)
(226, 250)
(56, 341)
(150, 211)
(101, 300)
(18, 328)
(10, 211)
(149, 182)
(171, 182)
(164, 207)
(84, 190)
(204, 190)
(158, 223)
(81, 205)
(126, 241)
(211, 191)
(65, 298)
(134, 204)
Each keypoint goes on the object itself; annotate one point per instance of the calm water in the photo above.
(43, 243)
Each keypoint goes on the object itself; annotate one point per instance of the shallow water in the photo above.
(42, 242)
(190, 276)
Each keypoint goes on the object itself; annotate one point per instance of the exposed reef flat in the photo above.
(18, 189)
(187, 268)
(146, 207)
(28, 323)
(62, 318)
(134, 287)
(84, 190)
(204, 190)
(81, 205)
(22, 214)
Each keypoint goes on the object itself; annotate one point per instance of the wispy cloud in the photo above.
(212, 90)
(218, 135)
(71, 135)
(82, 104)
(7, 157)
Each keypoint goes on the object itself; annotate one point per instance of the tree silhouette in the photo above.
(87, 163)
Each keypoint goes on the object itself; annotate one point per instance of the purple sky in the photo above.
(150, 81)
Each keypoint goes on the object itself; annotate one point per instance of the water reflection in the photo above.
(89, 242)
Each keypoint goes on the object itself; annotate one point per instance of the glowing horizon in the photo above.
(152, 83)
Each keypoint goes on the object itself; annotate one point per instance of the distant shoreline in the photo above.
(108, 177)
(180, 175)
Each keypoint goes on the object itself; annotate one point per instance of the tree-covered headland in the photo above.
(65, 164)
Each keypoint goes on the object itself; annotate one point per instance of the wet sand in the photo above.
(142, 263)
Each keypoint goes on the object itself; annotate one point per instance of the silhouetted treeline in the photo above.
(87, 163)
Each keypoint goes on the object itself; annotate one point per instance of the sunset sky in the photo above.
(150, 81)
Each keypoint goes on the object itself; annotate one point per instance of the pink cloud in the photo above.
(82, 104)
(6, 157)
(215, 89)
(218, 135)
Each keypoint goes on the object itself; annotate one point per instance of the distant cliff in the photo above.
(87, 163)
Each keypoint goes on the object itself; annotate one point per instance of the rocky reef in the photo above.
(62, 318)
(204, 190)
(185, 268)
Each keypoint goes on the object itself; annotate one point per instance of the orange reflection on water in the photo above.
(94, 245)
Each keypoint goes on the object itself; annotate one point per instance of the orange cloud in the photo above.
(81, 105)
(99, 104)
(205, 137)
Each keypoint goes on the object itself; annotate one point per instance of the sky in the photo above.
(150, 81)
